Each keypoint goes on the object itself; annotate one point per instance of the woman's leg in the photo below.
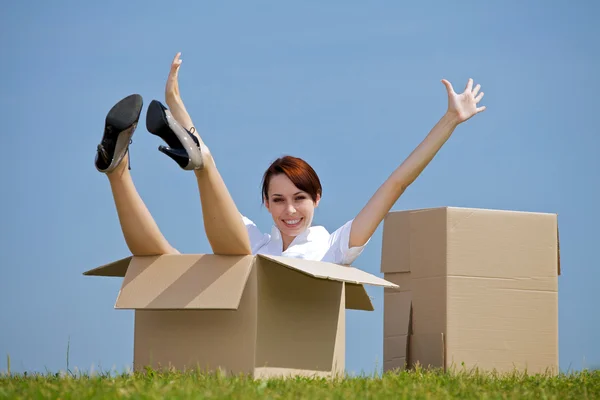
(223, 223)
(139, 228)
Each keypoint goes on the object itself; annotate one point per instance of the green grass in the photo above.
(416, 384)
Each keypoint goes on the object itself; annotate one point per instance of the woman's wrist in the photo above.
(451, 118)
(173, 100)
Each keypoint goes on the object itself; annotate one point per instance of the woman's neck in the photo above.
(287, 240)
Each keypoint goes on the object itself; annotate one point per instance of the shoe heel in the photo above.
(182, 146)
(156, 123)
(180, 156)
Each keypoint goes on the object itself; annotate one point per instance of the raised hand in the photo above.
(173, 97)
(463, 106)
(172, 87)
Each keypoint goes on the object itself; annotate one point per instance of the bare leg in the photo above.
(112, 158)
(223, 224)
(139, 228)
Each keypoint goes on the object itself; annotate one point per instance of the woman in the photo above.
(291, 189)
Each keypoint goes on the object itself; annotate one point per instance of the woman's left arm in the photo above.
(461, 107)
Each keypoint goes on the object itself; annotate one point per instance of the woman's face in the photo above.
(292, 209)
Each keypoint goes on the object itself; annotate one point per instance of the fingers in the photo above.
(176, 63)
(469, 90)
(448, 85)
(469, 85)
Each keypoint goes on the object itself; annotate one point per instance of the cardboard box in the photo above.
(478, 287)
(261, 316)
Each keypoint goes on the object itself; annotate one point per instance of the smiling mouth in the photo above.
(292, 223)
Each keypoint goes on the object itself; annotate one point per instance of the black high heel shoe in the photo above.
(182, 146)
(120, 124)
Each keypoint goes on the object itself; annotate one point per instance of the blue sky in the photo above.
(350, 86)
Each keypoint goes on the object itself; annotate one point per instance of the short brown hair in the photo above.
(302, 175)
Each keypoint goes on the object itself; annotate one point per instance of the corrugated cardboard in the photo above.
(477, 289)
(263, 316)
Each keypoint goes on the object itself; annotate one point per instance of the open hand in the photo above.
(172, 88)
(463, 106)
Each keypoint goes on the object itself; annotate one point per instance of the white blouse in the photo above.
(315, 243)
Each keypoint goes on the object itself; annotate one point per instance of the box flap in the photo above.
(326, 270)
(184, 281)
(115, 268)
(357, 298)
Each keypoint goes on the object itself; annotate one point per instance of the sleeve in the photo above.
(257, 238)
(339, 243)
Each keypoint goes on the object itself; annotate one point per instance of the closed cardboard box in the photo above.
(477, 289)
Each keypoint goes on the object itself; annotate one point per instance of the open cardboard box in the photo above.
(477, 289)
(261, 316)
